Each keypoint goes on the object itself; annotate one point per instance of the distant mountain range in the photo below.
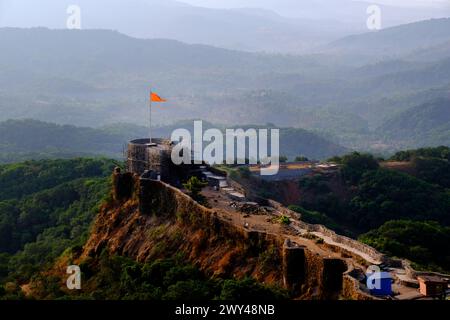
(352, 12)
(93, 78)
(269, 25)
(396, 41)
(243, 29)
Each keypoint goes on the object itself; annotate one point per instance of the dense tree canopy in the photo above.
(424, 242)
(366, 198)
(356, 164)
(384, 195)
(441, 152)
(46, 207)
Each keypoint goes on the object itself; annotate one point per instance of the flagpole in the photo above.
(150, 117)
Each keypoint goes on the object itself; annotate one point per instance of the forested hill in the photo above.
(92, 78)
(423, 125)
(46, 207)
(46, 210)
(400, 206)
(30, 139)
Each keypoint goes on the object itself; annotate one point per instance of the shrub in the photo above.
(284, 220)
(194, 185)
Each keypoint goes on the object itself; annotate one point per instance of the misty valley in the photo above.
(241, 151)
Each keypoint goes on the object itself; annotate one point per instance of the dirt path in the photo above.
(363, 255)
(265, 223)
(296, 232)
(220, 201)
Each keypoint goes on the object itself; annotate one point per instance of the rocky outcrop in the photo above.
(163, 222)
(172, 223)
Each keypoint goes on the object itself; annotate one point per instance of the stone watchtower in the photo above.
(154, 157)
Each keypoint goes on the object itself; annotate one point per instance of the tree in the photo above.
(301, 159)
(356, 164)
(433, 170)
(195, 186)
(382, 195)
(423, 242)
(283, 159)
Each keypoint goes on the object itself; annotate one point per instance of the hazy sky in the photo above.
(348, 14)
(232, 3)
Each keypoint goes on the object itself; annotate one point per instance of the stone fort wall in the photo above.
(372, 252)
(302, 271)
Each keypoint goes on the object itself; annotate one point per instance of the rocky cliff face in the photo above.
(167, 222)
(159, 221)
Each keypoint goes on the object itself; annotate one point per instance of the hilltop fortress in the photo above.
(237, 235)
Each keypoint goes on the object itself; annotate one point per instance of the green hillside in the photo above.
(28, 139)
(403, 214)
(31, 139)
(46, 210)
(46, 207)
(424, 125)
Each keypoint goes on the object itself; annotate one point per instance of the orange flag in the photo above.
(155, 98)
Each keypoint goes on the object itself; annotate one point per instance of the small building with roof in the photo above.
(432, 286)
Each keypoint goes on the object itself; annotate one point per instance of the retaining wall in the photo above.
(304, 273)
(372, 252)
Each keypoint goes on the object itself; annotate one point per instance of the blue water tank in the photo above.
(379, 283)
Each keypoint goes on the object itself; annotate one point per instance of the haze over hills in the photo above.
(395, 41)
(401, 11)
(97, 77)
(94, 78)
(423, 125)
(274, 26)
(437, 52)
(30, 139)
(343, 93)
(243, 29)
